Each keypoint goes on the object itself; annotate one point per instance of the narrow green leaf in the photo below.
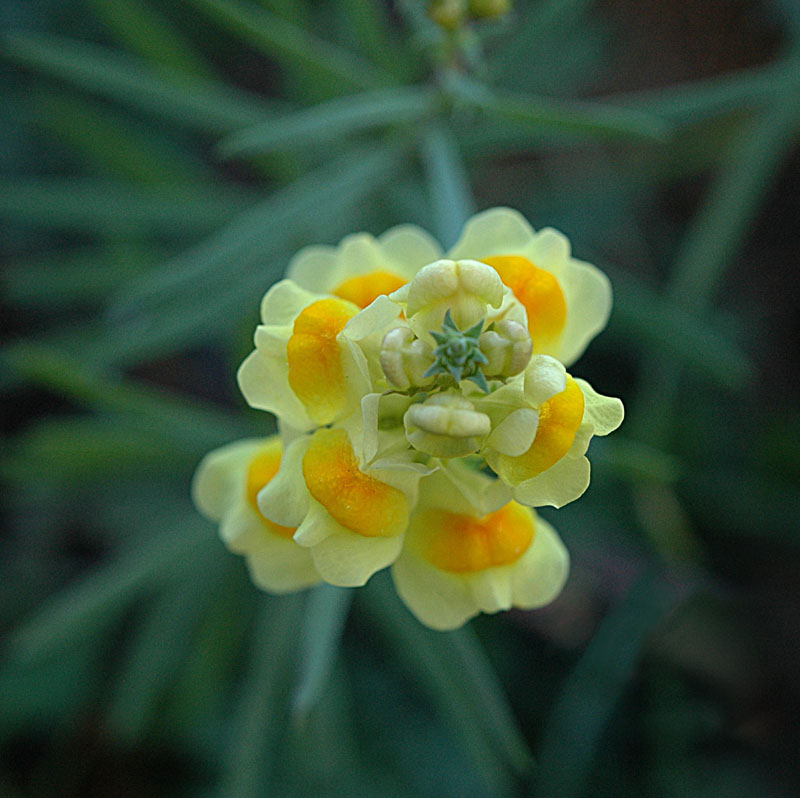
(448, 184)
(322, 629)
(636, 461)
(767, 505)
(157, 651)
(698, 100)
(88, 605)
(338, 764)
(582, 117)
(155, 410)
(75, 450)
(720, 228)
(571, 117)
(334, 119)
(271, 224)
(103, 206)
(593, 690)
(715, 235)
(657, 324)
(549, 16)
(371, 29)
(215, 654)
(47, 694)
(293, 45)
(144, 31)
(113, 147)
(60, 279)
(296, 11)
(202, 105)
(213, 285)
(478, 678)
(262, 708)
(418, 648)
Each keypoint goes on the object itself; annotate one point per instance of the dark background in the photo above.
(137, 659)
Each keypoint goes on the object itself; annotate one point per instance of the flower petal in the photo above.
(559, 485)
(313, 267)
(544, 378)
(219, 481)
(604, 412)
(373, 319)
(408, 248)
(283, 302)
(491, 589)
(285, 499)
(541, 573)
(588, 294)
(263, 380)
(514, 435)
(498, 231)
(241, 528)
(347, 559)
(441, 601)
(549, 248)
(318, 525)
(281, 566)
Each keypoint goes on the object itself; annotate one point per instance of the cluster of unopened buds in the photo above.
(424, 410)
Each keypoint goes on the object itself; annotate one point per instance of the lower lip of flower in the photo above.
(316, 372)
(465, 544)
(356, 500)
(559, 420)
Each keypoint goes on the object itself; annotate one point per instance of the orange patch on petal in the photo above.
(539, 291)
(260, 472)
(359, 502)
(364, 289)
(559, 419)
(316, 372)
(465, 544)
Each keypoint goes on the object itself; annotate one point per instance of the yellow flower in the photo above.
(350, 514)
(462, 557)
(361, 267)
(309, 366)
(567, 301)
(541, 428)
(398, 372)
(224, 489)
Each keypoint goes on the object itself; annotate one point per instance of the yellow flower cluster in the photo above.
(425, 409)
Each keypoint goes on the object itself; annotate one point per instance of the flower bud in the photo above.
(467, 288)
(489, 9)
(508, 348)
(448, 14)
(446, 425)
(405, 359)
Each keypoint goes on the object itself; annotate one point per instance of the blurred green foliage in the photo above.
(160, 164)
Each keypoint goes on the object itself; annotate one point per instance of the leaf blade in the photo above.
(289, 43)
(323, 624)
(203, 105)
(342, 116)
